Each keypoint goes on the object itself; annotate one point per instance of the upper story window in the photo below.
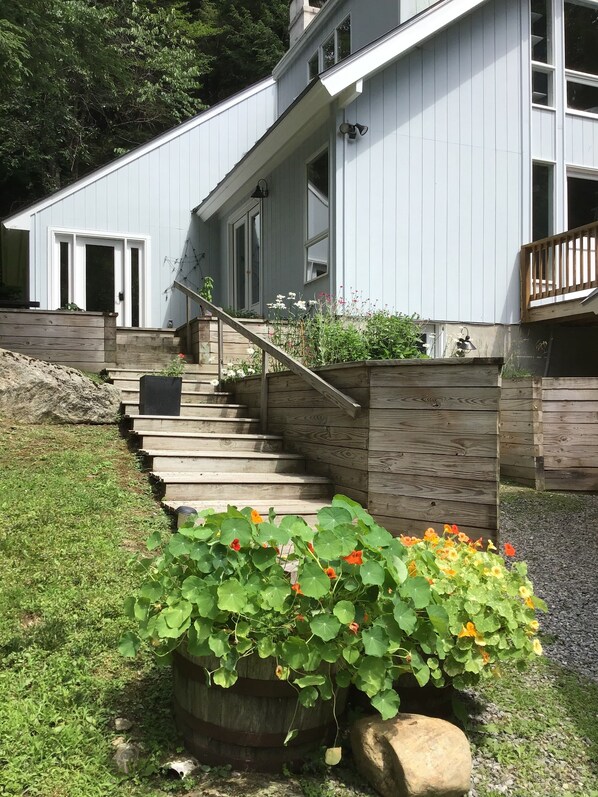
(581, 55)
(336, 47)
(541, 49)
(318, 217)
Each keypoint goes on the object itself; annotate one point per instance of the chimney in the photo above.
(301, 13)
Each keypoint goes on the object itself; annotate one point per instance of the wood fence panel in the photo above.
(521, 444)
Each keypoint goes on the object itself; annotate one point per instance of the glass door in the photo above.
(246, 260)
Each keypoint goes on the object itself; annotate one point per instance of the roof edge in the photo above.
(22, 219)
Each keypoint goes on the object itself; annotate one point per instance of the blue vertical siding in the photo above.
(435, 228)
(152, 196)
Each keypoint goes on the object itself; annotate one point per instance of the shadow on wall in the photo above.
(573, 350)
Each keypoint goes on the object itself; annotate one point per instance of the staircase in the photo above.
(213, 454)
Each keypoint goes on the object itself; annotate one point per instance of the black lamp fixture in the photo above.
(261, 190)
(351, 130)
(464, 343)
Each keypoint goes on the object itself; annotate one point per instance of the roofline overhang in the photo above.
(343, 83)
(296, 123)
(22, 219)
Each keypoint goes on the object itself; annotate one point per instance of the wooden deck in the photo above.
(559, 275)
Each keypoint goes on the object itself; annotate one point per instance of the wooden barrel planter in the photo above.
(246, 725)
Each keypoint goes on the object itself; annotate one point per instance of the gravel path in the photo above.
(557, 535)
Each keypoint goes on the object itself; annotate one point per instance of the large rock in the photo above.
(33, 391)
(412, 756)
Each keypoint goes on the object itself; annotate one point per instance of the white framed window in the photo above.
(334, 49)
(542, 200)
(317, 238)
(582, 197)
(581, 55)
(245, 258)
(542, 52)
(100, 272)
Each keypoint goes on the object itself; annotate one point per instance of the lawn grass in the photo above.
(73, 507)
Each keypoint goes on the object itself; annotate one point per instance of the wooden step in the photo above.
(223, 461)
(200, 441)
(178, 423)
(131, 396)
(246, 486)
(190, 384)
(307, 508)
(191, 369)
(189, 410)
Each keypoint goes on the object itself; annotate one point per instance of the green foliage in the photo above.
(207, 288)
(176, 367)
(345, 594)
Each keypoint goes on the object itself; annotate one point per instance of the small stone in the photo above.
(122, 724)
(126, 755)
(412, 756)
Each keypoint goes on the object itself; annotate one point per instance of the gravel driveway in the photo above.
(557, 535)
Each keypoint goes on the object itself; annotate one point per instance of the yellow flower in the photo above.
(529, 603)
(534, 625)
(524, 592)
(537, 647)
(412, 569)
(431, 536)
(452, 555)
(496, 571)
(468, 630)
(491, 546)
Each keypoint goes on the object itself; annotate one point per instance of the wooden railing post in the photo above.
(264, 392)
(220, 349)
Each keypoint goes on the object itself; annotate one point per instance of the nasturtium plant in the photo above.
(341, 603)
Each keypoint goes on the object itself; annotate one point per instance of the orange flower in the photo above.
(509, 550)
(256, 517)
(310, 547)
(485, 656)
(463, 537)
(354, 628)
(299, 618)
(451, 529)
(235, 545)
(529, 603)
(468, 630)
(412, 569)
(430, 580)
(409, 540)
(430, 535)
(330, 572)
(354, 558)
(296, 587)
(477, 544)
(278, 671)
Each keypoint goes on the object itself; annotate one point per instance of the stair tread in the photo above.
(216, 453)
(178, 477)
(203, 435)
(187, 418)
(203, 404)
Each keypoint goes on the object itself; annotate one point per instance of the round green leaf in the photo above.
(192, 587)
(236, 528)
(351, 655)
(325, 626)
(438, 617)
(232, 596)
(332, 516)
(372, 573)
(378, 537)
(345, 611)
(375, 641)
(219, 644)
(224, 677)
(265, 647)
(263, 557)
(405, 616)
(418, 590)
(313, 581)
(274, 596)
(387, 703)
(295, 652)
(327, 545)
(129, 645)
(179, 546)
(308, 696)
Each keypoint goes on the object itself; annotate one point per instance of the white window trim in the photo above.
(71, 236)
(320, 236)
(245, 211)
(334, 35)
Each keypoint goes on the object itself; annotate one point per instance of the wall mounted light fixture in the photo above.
(464, 343)
(261, 190)
(351, 130)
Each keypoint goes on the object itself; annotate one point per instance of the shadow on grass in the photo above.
(580, 702)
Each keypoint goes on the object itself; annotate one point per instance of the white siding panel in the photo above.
(581, 141)
(449, 118)
(543, 135)
(153, 196)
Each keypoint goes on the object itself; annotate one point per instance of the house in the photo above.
(404, 150)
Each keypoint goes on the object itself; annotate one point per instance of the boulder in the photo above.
(412, 756)
(33, 391)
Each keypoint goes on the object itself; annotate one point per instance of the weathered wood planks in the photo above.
(549, 432)
(77, 339)
(422, 452)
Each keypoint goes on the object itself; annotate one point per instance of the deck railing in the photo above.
(554, 267)
(344, 402)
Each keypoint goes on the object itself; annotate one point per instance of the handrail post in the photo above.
(220, 349)
(264, 392)
(188, 325)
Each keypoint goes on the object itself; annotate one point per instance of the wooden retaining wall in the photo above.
(200, 340)
(549, 432)
(422, 452)
(81, 340)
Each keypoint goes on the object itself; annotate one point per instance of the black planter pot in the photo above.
(160, 395)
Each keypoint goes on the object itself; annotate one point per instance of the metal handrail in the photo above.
(337, 397)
